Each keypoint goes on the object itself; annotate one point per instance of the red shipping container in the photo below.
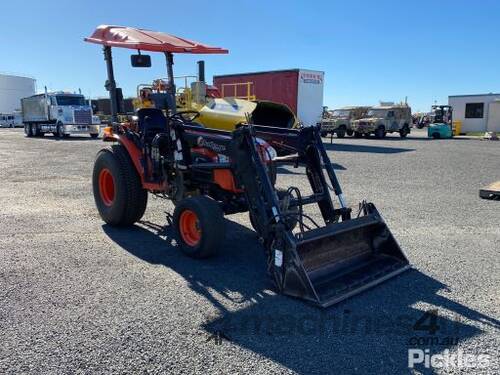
(301, 90)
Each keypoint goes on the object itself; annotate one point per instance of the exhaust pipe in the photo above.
(201, 71)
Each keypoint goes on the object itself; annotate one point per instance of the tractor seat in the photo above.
(151, 121)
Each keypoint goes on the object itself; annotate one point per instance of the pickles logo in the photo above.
(202, 142)
(314, 78)
(447, 359)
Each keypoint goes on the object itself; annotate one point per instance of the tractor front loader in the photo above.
(208, 173)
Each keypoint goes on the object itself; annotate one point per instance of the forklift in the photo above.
(441, 122)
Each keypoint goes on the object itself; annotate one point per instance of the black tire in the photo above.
(367, 135)
(436, 135)
(404, 131)
(129, 198)
(36, 131)
(28, 130)
(59, 131)
(94, 136)
(341, 132)
(208, 219)
(358, 135)
(380, 132)
(350, 133)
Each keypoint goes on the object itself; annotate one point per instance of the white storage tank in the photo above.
(12, 89)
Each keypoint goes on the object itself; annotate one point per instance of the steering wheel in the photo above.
(185, 116)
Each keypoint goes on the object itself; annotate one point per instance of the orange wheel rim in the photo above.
(107, 187)
(189, 226)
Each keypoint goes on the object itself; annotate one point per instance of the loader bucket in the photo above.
(332, 263)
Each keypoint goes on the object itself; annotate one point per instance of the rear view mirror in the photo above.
(141, 61)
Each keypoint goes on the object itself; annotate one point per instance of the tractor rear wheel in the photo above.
(199, 226)
(118, 192)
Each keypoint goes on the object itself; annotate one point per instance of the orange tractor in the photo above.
(208, 173)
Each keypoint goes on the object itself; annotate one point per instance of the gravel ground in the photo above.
(77, 296)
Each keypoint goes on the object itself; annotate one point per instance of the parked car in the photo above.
(384, 119)
(339, 120)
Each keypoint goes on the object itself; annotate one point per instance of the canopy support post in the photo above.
(111, 83)
(171, 82)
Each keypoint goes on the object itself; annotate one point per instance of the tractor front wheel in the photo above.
(118, 192)
(199, 226)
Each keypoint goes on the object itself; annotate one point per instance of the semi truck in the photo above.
(300, 90)
(62, 114)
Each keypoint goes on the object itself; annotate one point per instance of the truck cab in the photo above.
(339, 120)
(59, 113)
(384, 119)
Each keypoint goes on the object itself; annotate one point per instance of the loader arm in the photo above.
(326, 264)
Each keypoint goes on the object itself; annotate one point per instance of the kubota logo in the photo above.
(202, 142)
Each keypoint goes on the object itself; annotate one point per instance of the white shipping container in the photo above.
(310, 96)
(12, 90)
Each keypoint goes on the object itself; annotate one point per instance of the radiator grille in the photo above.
(83, 116)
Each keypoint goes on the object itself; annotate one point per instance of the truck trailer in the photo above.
(299, 89)
(59, 113)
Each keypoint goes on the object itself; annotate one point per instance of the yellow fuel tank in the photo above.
(226, 113)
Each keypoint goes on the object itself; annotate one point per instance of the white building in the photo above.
(12, 89)
(478, 113)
